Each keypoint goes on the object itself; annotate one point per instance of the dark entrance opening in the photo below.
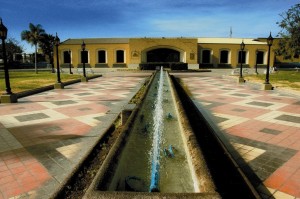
(163, 55)
(260, 57)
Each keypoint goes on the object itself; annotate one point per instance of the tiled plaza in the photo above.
(260, 128)
(44, 136)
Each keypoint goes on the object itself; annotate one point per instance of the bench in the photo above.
(272, 70)
(87, 70)
(60, 70)
(236, 71)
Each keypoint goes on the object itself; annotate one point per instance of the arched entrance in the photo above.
(163, 55)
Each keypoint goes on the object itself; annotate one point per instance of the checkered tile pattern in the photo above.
(262, 127)
(44, 136)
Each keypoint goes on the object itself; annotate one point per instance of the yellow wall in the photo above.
(233, 51)
(136, 50)
(93, 53)
(140, 46)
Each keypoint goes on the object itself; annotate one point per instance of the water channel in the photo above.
(154, 158)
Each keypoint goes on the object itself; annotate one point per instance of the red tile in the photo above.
(29, 161)
(36, 168)
(12, 161)
(291, 187)
(19, 169)
(31, 185)
(3, 168)
(29, 107)
(22, 177)
(5, 173)
(6, 179)
(14, 192)
(14, 165)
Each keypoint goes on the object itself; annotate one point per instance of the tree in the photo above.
(46, 44)
(33, 36)
(289, 44)
(12, 47)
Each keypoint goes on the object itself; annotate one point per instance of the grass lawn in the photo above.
(21, 81)
(281, 79)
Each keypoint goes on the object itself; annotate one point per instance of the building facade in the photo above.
(195, 52)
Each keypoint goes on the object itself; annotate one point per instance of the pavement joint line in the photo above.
(120, 92)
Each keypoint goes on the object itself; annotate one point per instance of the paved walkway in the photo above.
(43, 137)
(260, 128)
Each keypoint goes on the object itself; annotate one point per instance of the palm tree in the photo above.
(33, 36)
(46, 44)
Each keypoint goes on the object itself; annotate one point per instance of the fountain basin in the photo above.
(116, 180)
(123, 171)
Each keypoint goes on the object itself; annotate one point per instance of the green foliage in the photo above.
(179, 66)
(33, 36)
(22, 81)
(12, 46)
(288, 79)
(289, 44)
(47, 43)
(171, 65)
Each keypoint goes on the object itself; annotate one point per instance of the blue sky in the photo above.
(140, 18)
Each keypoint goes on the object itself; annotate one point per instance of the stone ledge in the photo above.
(9, 98)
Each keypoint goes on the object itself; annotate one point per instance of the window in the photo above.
(84, 56)
(101, 56)
(260, 57)
(206, 56)
(67, 57)
(120, 56)
(224, 54)
(242, 57)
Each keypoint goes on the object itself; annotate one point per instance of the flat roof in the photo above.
(97, 41)
(201, 40)
(208, 40)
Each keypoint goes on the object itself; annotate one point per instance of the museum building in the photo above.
(195, 52)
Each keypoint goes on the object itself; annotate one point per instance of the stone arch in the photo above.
(163, 54)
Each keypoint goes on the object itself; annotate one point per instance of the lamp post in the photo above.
(267, 85)
(70, 65)
(58, 84)
(242, 47)
(256, 52)
(9, 97)
(83, 58)
(52, 64)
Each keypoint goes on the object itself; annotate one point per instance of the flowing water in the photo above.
(157, 133)
(154, 158)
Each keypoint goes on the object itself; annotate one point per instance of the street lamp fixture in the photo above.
(3, 30)
(9, 97)
(242, 47)
(267, 85)
(70, 65)
(83, 58)
(58, 84)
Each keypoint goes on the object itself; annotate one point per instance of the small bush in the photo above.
(171, 65)
(179, 66)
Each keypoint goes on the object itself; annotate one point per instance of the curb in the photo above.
(50, 87)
